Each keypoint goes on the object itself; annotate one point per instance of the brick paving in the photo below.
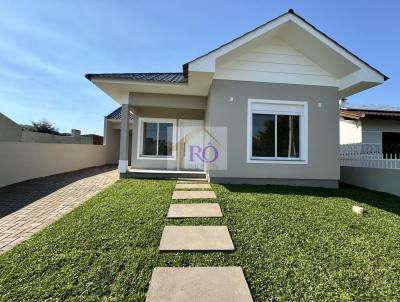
(27, 207)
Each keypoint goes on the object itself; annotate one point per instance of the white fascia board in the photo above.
(340, 50)
(358, 81)
(207, 63)
(358, 76)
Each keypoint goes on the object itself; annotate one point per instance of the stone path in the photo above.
(195, 284)
(193, 195)
(28, 207)
(200, 284)
(192, 210)
(196, 238)
(192, 186)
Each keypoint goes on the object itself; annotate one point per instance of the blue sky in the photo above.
(46, 47)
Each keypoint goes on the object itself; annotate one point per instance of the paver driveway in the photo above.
(27, 207)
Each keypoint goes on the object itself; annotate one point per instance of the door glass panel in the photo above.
(165, 139)
(288, 136)
(263, 135)
(149, 138)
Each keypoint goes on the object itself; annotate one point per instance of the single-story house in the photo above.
(379, 126)
(262, 108)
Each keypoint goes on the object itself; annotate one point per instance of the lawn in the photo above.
(293, 243)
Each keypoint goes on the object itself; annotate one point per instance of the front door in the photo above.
(191, 141)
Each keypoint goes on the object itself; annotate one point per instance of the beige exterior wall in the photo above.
(350, 131)
(24, 161)
(383, 180)
(37, 137)
(323, 129)
(9, 130)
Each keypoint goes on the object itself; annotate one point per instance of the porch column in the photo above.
(124, 140)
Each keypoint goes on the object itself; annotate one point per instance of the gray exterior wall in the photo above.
(372, 129)
(323, 130)
(9, 130)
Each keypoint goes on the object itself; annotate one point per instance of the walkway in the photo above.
(27, 207)
(190, 284)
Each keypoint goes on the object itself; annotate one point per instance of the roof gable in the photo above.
(273, 61)
(352, 73)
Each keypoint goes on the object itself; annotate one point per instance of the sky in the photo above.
(46, 47)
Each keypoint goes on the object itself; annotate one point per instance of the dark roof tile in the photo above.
(116, 115)
(168, 77)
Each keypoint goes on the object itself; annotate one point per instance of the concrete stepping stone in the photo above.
(194, 210)
(192, 179)
(198, 284)
(196, 238)
(193, 186)
(193, 194)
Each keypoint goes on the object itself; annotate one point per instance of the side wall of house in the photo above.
(323, 167)
(350, 131)
(112, 134)
(372, 129)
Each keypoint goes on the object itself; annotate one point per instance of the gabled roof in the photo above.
(290, 12)
(169, 77)
(337, 66)
(361, 113)
(116, 115)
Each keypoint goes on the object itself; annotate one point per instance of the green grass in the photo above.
(293, 243)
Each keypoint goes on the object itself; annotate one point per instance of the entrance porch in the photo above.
(166, 129)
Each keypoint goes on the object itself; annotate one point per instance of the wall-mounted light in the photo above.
(231, 99)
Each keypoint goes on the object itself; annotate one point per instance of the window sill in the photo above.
(156, 158)
(277, 161)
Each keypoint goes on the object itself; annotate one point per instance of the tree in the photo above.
(44, 126)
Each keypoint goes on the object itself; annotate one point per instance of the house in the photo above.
(261, 109)
(377, 126)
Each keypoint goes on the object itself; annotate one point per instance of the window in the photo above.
(276, 131)
(156, 138)
(391, 144)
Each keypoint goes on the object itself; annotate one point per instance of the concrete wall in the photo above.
(37, 137)
(23, 161)
(372, 129)
(9, 130)
(323, 130)
(383, 180)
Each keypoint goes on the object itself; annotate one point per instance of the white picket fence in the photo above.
(367, 156)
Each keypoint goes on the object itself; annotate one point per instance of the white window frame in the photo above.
(267, 107)
(140, 155)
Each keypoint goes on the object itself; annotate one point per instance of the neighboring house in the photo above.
(267, 104)
(375, 126)
(13, 132)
